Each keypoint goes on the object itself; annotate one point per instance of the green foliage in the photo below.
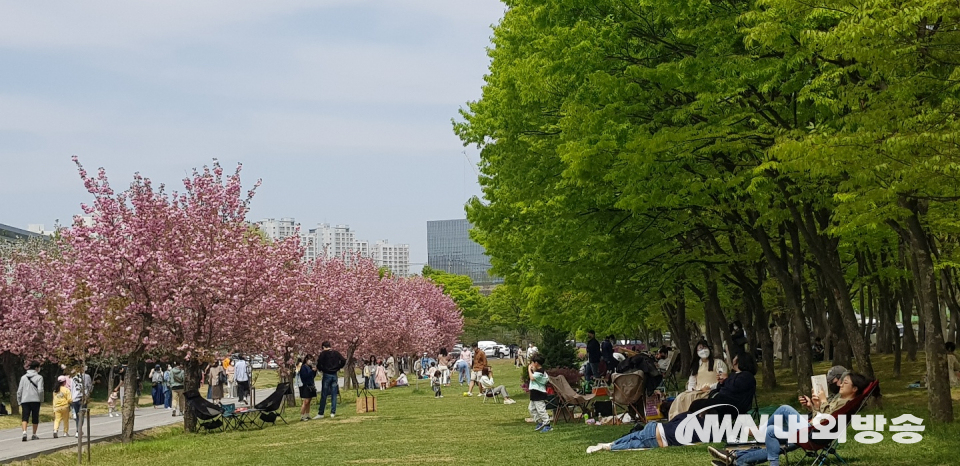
(459, 288)
(556, 352)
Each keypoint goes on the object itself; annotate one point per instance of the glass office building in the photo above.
(449, 248)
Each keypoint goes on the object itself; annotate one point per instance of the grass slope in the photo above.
(411, 427)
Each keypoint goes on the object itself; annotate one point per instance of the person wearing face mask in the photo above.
(738, 389)
(704, 375)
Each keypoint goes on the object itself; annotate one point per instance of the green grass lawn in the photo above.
(412, 427)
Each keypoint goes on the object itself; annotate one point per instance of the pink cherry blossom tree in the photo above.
(29, 290)
(180, 274)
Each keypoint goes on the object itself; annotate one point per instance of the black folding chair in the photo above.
(271, 408)
(209, 415)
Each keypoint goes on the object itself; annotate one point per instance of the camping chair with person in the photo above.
(568, 400)
(626, 392)
(272, 407)
(818, 450)
(209, 415)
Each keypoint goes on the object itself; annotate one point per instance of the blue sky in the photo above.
(343, 108)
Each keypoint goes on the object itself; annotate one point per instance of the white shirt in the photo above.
(240, 371)
(719, 367)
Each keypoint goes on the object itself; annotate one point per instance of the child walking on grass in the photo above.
(436, 383)
(538, 394)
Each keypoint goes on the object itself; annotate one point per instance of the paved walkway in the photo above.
(102, 427)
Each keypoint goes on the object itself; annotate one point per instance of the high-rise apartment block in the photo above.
(395, 257)
(449, 248)
(339, 241)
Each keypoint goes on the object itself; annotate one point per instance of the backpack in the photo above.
(177, 378)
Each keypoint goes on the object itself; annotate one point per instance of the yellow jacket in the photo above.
(62, 398)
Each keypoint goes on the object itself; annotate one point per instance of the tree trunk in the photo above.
(676, 313)
(825, 250)
(925, 279)
(10, 368)
(842, 354)
(906, 315)
(191, 381)
(131, 400)
(349, 371)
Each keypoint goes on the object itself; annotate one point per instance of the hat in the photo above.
(62, 379)
(835, 372)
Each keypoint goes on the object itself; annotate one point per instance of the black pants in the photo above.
(30, 409)
(243, 390)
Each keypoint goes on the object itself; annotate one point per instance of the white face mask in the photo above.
(704, 353)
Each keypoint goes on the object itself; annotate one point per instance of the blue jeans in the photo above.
(167, 397)
(772, 451)
(157, 394)
(464, 369)
(646, 438)
(76, 405)
(329, 386)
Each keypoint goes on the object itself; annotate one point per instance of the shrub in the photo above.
(555, 350)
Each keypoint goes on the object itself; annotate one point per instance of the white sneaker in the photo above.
(318, 416)
(332, 415)
(77, 435)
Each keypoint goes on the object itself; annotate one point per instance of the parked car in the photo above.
(272, 364)
(256, 363)
(496, 351)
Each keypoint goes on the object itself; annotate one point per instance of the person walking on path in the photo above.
(167, 392)
(156, 378)
(82, 387)
(479, 362)
(242, 375)
(231, 378)
(329, 363)
(176, 387)
(29, 397)
(61, 407)
(308, 386)
(217, 377)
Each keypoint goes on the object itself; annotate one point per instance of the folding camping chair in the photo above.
(209, 415)
(627, 392)
(568, 400)
(819, 450)
(489, 393)
(670, 381)
(271, 408)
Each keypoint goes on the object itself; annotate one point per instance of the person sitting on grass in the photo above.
(538, 394)
(402, 380)
(487, 384)
(738, 389)
(852, 385)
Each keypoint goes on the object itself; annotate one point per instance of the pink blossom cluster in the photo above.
(183, 274)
